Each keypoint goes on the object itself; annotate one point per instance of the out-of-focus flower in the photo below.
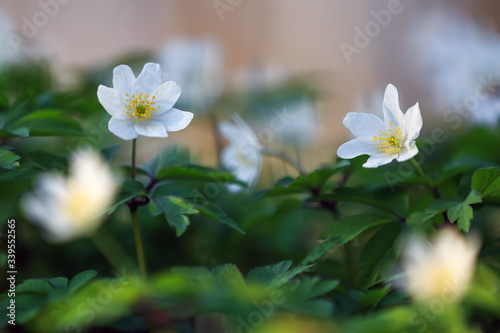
(70, 207)
(142, 105)
(460, 63)
(441, 270)
(198, 66)
(392, 138)
(242, 156)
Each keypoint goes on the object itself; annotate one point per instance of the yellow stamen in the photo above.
(390, 142)
(140, 107)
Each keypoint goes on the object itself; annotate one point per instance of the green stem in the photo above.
(132, 165)
(111, 250)
(431, 187)
(135, 222)
(138, 242)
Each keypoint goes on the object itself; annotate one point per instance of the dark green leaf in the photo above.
(48, 123)
(463, 212)
(8, 160)
(378, 256)
(80, 279)
(487, 182)
(349, 227)
(175, 210)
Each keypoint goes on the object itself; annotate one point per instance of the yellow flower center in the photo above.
(141, 107)
(390, 142)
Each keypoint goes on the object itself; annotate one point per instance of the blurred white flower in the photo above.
(460, 57)
(142, 106)
(442, 270)
(70, 207)
(198, 66)
(242, 156)
(392, 138)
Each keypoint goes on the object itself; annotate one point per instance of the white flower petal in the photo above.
(110, 99)
(364, 124)
(229, 130)
(408, 153)
(123, 79)
(167, 95)
(413, 119)
(123, 128)
(392, 112)
(379, 159)
(174, 120)
(150, 128)
(356, 147)
(149, 79)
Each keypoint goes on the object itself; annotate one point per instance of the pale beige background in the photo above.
(303, 36)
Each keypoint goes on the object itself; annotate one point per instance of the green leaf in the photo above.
(130, 189)
(267, 275)
(8, 160)
(80, 279)
(487, 182)
(300, 293)
(217, 214)
(378, 256)
(58, 282)
(349, 227)
(35, 285)
(320, 250)
(47, 161)
(228, 276)
(437, 207)
(48, 123)
(175, 210)
(463, 212)
(197, 173)
(304, 183)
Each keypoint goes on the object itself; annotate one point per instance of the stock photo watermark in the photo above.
(364, 35)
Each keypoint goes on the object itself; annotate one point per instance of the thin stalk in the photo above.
(285, 157)
(111, 250)
(431, 187)
(132, 164)
(138, 243)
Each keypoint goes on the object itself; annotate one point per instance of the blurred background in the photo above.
(438, 53)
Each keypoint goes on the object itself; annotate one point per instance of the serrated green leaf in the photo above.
(8, 160)
(487, 182)
(175, 210)
(268, 275)
(229, 276)
(197, 173)
(463, 212)
(80, 279)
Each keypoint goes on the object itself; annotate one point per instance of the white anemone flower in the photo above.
(242, 156)
(142, 105)
(384, 140)
(442, 270)
(70, 207)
